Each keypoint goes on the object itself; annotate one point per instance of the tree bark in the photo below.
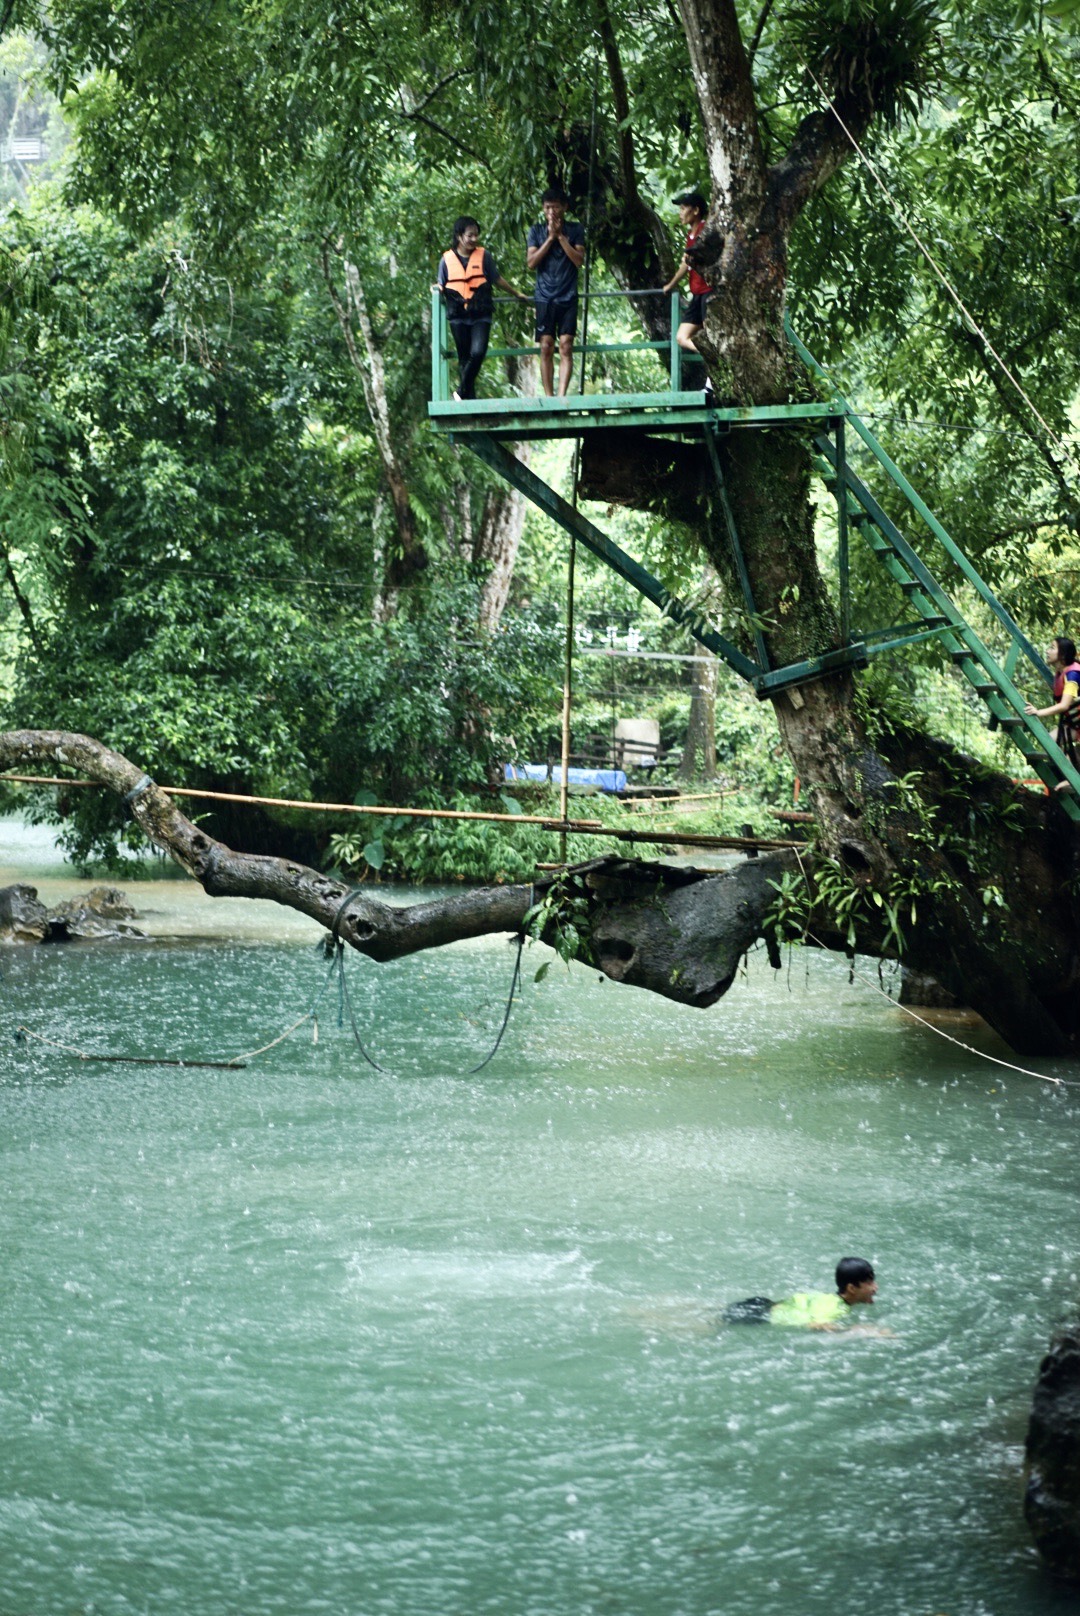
(698, 761)
(495, 543)
(495, 548)
(410, 557)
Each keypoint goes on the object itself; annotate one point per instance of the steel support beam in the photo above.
(737, 551)
(547, 499)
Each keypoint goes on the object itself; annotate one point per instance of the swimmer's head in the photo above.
(855, 1280)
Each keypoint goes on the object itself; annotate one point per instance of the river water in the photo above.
(308, 1337)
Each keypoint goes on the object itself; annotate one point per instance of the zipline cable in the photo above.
(1058, 442)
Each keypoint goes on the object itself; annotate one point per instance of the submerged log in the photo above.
(1052, 1489)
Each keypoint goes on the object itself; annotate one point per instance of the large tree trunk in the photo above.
(495, 547)
(698, 761)
(891, 839)
(495, 543)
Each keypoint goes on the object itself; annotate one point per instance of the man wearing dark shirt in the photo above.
(556, 251)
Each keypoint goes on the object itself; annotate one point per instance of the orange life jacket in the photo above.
(465, 280)
(1068, 721)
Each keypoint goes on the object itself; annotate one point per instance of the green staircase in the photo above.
(937, 616)
(490, 426)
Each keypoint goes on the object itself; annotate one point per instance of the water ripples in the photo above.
(306, 1338)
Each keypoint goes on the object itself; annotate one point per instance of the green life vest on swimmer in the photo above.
(809, 1308)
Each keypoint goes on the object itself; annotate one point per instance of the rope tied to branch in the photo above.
(335, 947)
(142, 784)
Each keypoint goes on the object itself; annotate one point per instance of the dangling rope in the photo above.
(571, 565)
(336, 946)
(1058, 442)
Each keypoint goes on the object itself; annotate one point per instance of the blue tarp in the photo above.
(610, 780)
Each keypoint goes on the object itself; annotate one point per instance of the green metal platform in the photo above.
(670, 409)
(482, 424)
(663, 412)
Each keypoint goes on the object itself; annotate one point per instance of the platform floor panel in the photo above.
(544, 417)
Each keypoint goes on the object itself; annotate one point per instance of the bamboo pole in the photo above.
(563, 827)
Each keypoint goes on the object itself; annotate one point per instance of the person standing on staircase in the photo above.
(1061, 655)
(692, 210)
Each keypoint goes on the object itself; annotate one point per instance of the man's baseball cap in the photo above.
(691, 199)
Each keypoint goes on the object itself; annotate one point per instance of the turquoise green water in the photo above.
(307, 1338)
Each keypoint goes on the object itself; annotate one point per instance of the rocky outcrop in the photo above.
(101, 912)
(22, 918)
(1052, 1493)
(918, 987)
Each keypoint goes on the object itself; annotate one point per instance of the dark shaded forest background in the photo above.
(229, 545)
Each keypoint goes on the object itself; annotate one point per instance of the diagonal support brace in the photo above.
(525, 480)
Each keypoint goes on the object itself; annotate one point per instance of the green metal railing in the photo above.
(442, 350)
(480, 423)
(1016, 635)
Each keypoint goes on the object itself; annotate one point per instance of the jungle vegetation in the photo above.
(233, 553)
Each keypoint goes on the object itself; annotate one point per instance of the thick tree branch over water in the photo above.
(682, 933)
(673, 932)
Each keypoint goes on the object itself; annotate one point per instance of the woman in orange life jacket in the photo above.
(466, 275)
(1061, 655)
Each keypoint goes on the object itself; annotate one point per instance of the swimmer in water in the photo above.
(812, 1310)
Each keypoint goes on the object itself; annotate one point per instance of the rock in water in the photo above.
(917, 987)
(1052, 1493)
(102, 912)
(99, 913)
(22, 918)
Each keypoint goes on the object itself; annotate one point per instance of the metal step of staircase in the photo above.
(991, 682)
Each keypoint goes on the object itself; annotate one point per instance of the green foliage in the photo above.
(200, 571)
(201, 515)
(561, 919)
(442, 851)
(886, 51)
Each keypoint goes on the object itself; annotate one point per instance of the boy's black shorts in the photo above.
(694, 312)
(556, 319)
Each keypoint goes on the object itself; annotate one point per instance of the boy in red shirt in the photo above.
(692, 210)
